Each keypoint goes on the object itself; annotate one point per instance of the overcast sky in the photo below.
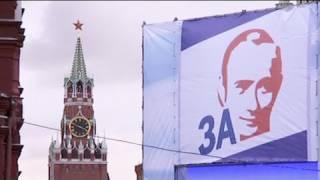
(111, 41)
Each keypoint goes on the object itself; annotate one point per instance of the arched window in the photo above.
(64, 153)
(74, 153)
(89, 91)
(98, 153)
(79, 89)
(86, 153)
(69, 90)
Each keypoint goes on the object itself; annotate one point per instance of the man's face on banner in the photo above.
(253, 78)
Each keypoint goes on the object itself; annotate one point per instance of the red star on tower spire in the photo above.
(78, 25)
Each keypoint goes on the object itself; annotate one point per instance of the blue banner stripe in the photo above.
(197, 30)
(290, 148)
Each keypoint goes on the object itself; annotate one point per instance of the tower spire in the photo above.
(78, 67)
(78, 127)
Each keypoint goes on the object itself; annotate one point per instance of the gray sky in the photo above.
(111, 41)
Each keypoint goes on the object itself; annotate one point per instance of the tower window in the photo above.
(69, 89)
(89, 91)
(79, 89)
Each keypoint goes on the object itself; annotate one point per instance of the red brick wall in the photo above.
(9, 68)
(80, 172)
(7, 9)
(11, 39)
(138, 170)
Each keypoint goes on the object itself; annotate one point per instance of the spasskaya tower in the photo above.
(76, 155)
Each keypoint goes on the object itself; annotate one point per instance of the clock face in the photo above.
(79, 127)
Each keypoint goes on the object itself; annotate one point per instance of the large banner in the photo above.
(236, 88)
(248, 171)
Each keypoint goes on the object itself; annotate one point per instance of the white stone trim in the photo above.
(7, 20)
(4, 117)
(78, 161)
(78, 103)
(8, 38)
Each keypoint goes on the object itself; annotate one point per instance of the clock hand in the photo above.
(78, 126)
